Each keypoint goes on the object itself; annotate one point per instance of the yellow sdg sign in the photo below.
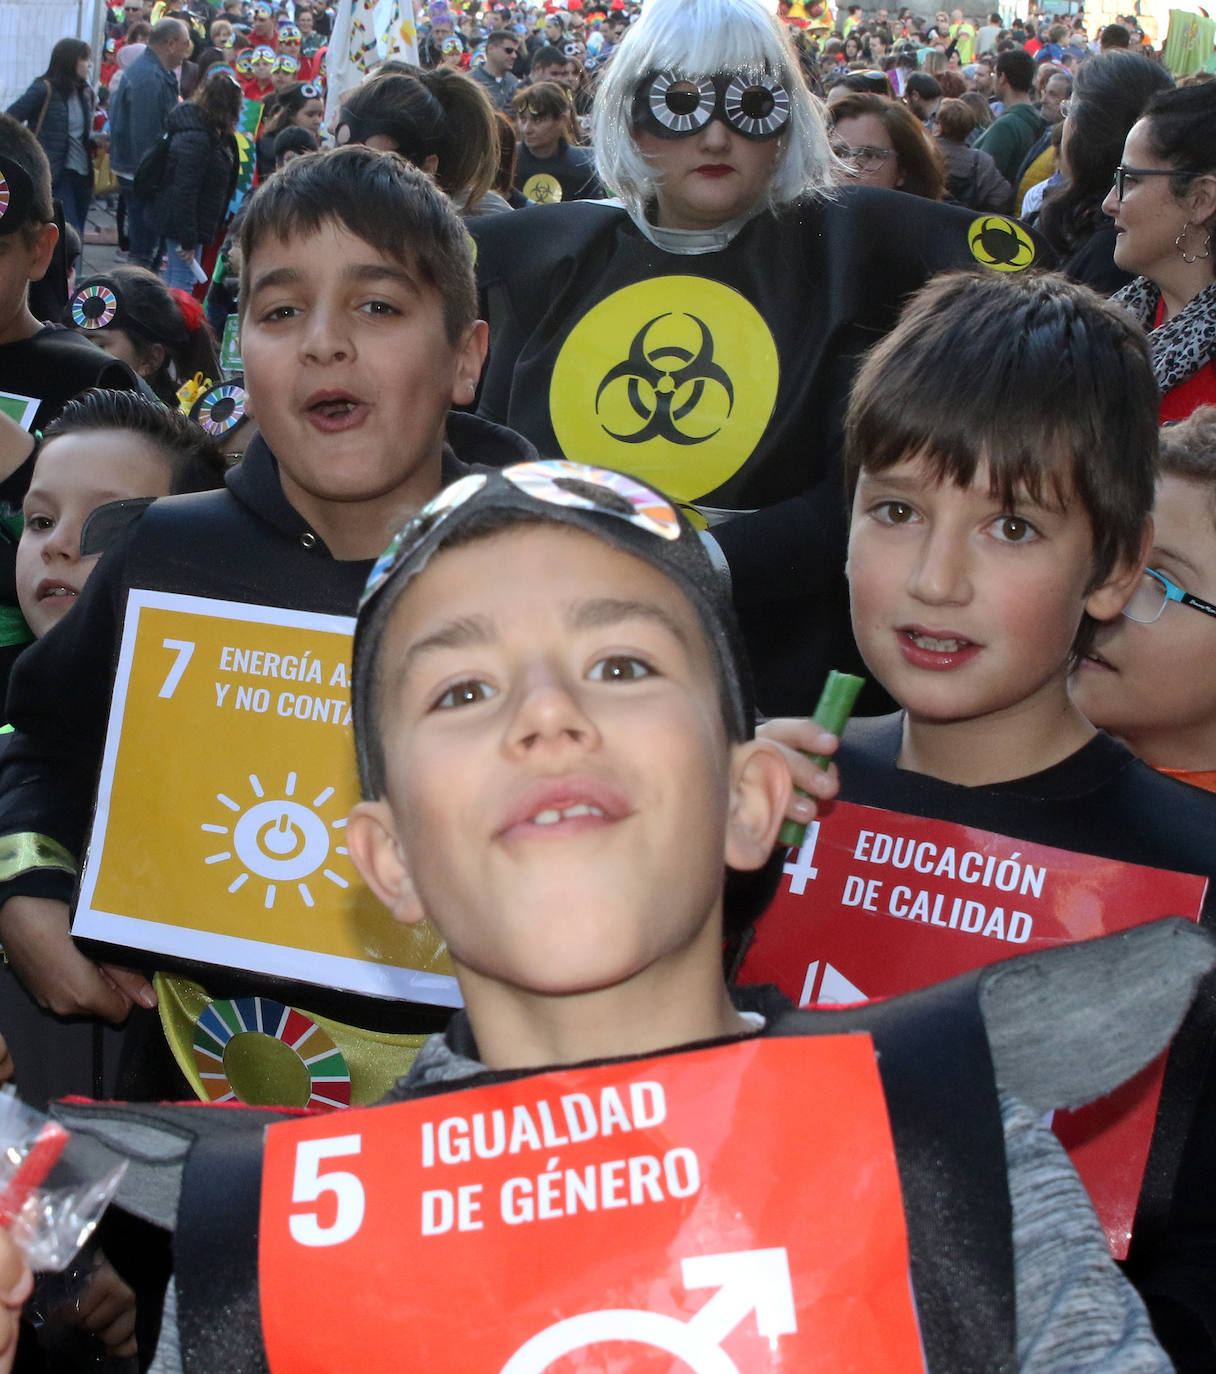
(673, 380)
(221, 812)
(1000, 243)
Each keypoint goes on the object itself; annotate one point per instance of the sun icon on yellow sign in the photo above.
(280, 840)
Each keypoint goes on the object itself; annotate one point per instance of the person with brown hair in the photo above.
(972, 177)
(886, 145)
(438, 120)
(552, 166)
(200, 175)
(58, 107)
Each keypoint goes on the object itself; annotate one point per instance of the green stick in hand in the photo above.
(835, 705)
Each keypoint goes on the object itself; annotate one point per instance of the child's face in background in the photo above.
(963, 608)
(559, 781)
(1154, 685)
(75, 474)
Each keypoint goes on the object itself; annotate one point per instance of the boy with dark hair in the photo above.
(557, 774)
(359, 331)
(38, 362)
(985, 550)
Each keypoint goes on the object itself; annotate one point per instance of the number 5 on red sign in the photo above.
(309, 1184)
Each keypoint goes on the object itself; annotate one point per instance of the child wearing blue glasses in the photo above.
(1148, 677)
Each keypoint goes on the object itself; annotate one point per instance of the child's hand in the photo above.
(16, 1284)
(36, 935)
(796, 737)
(106, 1308)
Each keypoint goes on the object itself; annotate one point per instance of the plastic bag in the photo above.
(53, 1186)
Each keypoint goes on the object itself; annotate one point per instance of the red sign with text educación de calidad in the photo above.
(877, 903)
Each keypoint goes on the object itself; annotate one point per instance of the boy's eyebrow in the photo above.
(604, 611)
(469, 630)
(1161, 551)
(357, 272)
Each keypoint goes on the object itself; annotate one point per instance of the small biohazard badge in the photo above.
(1001, 244)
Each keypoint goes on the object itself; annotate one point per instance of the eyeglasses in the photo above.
(673, 106)
(1122, 173)
(510, 52)
(867, 158)
(1152, 593)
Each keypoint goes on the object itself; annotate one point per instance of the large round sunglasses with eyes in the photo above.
(674, 106)
(1154, 592)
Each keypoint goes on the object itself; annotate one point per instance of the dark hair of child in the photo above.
(1070, 404)
(152, 313)
(1188, 449)
(291, 100)
(195, 462)
(440, 112)
(18, 143)
(379, 198)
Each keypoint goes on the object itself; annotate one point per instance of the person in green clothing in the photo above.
(1008, 139)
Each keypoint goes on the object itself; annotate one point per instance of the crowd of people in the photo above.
(679, 353)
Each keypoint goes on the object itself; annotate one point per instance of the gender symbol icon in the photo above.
(747, 1281)
(279, 839)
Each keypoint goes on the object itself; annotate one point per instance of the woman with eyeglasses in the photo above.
(882, 143)
(1109, 93)
(1163, 203)
(701, 330)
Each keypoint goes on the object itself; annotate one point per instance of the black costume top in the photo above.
(1102, 800)
(717, 367)
(56, 364)
(1003, 1246)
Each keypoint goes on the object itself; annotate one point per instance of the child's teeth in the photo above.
(552, 816)
(938, 646)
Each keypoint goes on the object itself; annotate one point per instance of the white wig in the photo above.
(701, 38)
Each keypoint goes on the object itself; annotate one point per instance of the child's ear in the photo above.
(371, 838)
(44, 251)
(1108, 600)
(760, 792)
(470, 357)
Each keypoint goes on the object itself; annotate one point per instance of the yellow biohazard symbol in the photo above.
(1000, 243)
(543, 189)
(673, 380)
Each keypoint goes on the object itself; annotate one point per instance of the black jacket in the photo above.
(199, 180)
